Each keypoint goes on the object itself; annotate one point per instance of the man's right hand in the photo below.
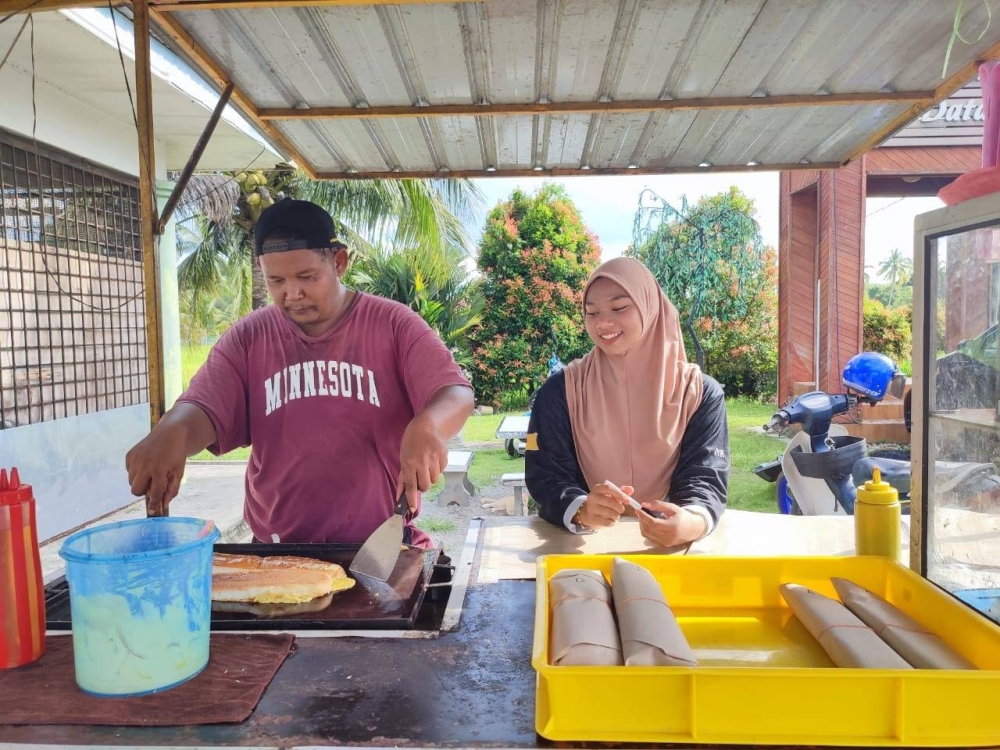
(155, 464)
(602, 508)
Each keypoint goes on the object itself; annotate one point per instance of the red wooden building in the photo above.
(822, 237)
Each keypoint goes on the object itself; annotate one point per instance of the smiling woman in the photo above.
(632, 413)
(612, 318)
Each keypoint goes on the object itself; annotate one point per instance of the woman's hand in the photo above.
(602, 508)
(678, 526)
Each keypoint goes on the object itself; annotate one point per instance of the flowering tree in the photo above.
(535, 256)
(712, 264)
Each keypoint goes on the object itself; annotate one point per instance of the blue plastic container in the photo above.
(141, 597)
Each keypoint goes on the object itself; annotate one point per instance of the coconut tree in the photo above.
(896, 270)
(397, 213)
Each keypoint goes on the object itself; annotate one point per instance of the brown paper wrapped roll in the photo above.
(583, 626)
(847, 641)
(911, 640)
(649, 631)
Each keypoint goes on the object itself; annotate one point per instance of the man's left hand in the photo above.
(678, 526)
(423, 455)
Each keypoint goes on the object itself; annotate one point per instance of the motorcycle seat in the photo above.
(894, 472)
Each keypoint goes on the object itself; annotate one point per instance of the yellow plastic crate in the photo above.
(762, 679)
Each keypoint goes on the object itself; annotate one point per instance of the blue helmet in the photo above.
(870, 374)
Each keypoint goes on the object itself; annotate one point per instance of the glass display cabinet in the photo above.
(955, 495)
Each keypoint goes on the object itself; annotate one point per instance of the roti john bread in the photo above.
(649, 631)
(275, 610)
(225, 563)
(911, 640)
(275, 580)
(845, 638)
(584, 632)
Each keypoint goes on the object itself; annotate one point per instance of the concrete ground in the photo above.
(214, 491)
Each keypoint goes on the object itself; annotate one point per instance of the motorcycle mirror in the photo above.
(897, 385)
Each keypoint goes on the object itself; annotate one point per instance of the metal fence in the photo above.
(72, 331)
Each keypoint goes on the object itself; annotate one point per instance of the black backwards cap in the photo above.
(302, 225)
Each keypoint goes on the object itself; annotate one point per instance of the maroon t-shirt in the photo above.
(325, 415)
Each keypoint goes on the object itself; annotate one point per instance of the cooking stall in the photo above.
(442, 656)
(461, 676)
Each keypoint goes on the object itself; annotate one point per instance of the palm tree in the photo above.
(896, 270)
(369, 213)
(433, 284)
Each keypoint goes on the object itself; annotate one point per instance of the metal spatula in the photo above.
(379, 554)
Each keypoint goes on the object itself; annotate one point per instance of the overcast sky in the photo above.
(608, 206)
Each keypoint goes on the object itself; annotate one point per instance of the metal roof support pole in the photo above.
(147, 210)
(192, 162)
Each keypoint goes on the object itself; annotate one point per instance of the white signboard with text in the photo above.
(956, 121)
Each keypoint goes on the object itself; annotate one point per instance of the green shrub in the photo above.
(743, 357)
(514, 400)
(888, 330)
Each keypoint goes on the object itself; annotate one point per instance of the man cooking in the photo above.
(348, 400)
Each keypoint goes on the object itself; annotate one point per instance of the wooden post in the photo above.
(148, 214)
(192, 163)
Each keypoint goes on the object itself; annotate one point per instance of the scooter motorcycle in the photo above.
(825, 485)
(815, 474)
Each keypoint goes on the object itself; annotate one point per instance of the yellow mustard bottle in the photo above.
(877, 517)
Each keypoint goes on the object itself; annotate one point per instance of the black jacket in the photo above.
(552, 470)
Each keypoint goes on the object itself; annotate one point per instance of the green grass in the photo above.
(240, 454)
(482, 429)
(748, 448)
(486, 469)
(192, 357)
(431, 525)
(489, 465)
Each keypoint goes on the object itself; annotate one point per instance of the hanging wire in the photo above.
(34, 79)
(135, 118)
(27, 7)
(887, 205)
(34, 131)
(146, 157)
(14, 43)
(956, 31)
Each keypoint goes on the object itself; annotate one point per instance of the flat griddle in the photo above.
(370, 605)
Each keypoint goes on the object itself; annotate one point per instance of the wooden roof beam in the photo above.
(571, 171)
(952, 84)
(174, 5)
(919, 98)
(35, 6)
(187, 44)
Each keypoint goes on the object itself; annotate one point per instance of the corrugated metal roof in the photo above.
(562, 86)
(88, 74)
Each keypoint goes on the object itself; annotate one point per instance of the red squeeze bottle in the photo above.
(22, 599)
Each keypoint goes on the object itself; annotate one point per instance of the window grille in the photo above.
(72, 326)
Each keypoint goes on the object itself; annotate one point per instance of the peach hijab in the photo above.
(629, 412)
